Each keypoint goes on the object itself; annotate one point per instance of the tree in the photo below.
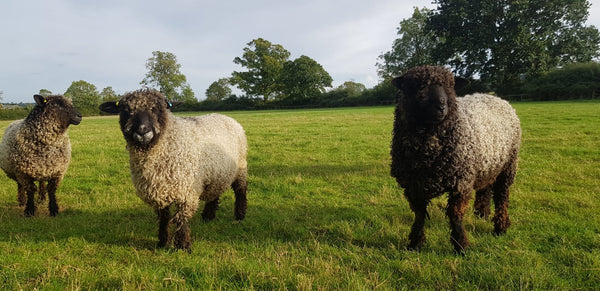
(85, 96)
(264, 62)
(503, 40)
(412, 48)
(187, 94)
(218, 90)
(303, 78)
(352, 88)
(108, 94)
(164, 72)
(45, 92)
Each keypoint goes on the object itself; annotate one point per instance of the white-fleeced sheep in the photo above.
(37, 148)
(442, 143)
(176, 160)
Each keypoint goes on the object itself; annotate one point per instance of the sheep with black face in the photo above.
(442, 143)
(37, 148)
(176, 160)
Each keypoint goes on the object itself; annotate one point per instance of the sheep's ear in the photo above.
(173, 104)
(110, 107)
(40, 100)
(460, 82)
(397, 82)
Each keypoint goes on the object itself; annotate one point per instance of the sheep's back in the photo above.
(491, 134)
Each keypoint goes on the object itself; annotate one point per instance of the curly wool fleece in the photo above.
(195, 158)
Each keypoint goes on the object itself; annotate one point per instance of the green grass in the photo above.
(323, 213)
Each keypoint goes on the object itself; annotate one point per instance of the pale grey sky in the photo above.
(48, 44)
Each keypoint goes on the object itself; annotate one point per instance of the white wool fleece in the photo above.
(491, 131)
(196, 158)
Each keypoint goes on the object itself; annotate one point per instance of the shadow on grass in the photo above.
(138, 227)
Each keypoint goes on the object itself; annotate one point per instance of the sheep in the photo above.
(442, 143)
(177, 160)
(37, 148)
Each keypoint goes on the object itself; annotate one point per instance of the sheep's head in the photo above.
(428, 94)
(56, 108)
(143, 115)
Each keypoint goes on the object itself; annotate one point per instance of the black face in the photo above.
(142, 116)
(62, 109)
(427, 104)
(138, 126)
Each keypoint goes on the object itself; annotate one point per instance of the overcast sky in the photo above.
(48, 44)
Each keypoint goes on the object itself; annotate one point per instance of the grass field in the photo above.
(323, 213)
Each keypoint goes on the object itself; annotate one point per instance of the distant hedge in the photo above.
(576, 81)
(13, 114)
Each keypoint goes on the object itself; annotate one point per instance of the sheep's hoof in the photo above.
(29, 212)
(414, 248)
(499, 231)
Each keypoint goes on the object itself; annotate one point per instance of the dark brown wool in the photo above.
(444, 144)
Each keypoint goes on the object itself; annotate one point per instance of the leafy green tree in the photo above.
(85, 97)
(218, 90)
(264, 63)
(108, 94)
(187, 95)
(164, 72)
(303, 78)
(352, 89)
(412, 48)
(503, 40)
(45, 92)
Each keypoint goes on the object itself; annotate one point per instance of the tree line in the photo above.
(520, 49)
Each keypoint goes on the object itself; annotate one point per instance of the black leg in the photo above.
(183, 240)
(52, 204)
(210, 210)
(29, 188)
(418, 204)
(240, 188)
(483, 200)
(164, 216)
(457, 205)
(42, 192)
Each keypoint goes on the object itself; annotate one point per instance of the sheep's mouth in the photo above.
(143, 138)
(75, 120)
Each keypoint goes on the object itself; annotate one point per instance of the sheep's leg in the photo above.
(183, 240)
(210, 210)
(418, 204)
(21, 195)
(52, 205)
(483, 199)
(29, 188)
(42, 192)
(457, 205)
(240, 188)
(501, 198)
(164, 216)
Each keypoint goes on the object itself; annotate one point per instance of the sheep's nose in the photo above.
(143, 128)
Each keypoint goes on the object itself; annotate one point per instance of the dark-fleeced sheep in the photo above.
(37, 148)
(177, 160)
(442, 143)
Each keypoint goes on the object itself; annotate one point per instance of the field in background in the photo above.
(323, 213)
